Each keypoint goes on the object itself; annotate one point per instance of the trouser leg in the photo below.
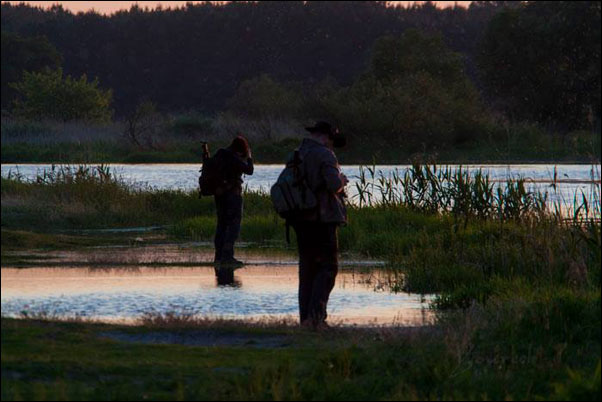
(326, 263)
(233, 218)
(318, 268)
(220, 228)
(306, 270)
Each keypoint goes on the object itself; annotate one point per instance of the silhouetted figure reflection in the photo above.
(225, 277)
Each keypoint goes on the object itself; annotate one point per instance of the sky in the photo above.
(108, 7)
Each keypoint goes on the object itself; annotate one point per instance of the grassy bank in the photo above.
(519, 300)
(178, 142)
(277, 152)
(115, 152)
(485, 354)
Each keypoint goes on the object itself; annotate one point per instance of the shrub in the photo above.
(143, 125)
(49, 95)
(415, 91)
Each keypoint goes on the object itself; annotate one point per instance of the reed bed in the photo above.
(461, 192)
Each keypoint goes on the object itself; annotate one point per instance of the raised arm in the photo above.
(244, 165)
(248, 166)
(330, 171)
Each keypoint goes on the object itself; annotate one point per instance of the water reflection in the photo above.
(225, 277)
(361, 296)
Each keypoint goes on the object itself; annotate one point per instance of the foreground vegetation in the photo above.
(519, 298)
(489, 357)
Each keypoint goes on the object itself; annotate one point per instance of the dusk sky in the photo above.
(107, 7)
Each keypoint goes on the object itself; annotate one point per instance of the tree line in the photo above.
(386, 70)
(198, 55)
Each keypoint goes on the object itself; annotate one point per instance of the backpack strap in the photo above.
(300, 176)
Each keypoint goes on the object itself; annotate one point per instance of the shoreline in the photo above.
(386, 164)
(271, 164)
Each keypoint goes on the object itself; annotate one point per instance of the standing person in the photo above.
(234, 161)
(316, 229)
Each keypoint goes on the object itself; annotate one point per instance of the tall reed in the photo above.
(462, 193)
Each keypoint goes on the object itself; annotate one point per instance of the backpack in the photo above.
(211, 177)
(291, 194)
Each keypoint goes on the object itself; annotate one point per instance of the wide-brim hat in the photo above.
(321, 127)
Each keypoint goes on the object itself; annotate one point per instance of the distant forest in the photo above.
(531, 60)
(197, 56)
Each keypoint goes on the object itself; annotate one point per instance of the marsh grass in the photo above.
(459, 192)
(87, 197)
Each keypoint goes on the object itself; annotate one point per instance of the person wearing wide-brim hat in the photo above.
(317, 230)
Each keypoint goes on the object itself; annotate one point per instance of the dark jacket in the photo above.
(233, 168)
(323, 176)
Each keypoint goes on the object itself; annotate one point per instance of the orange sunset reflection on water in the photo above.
(125, 293)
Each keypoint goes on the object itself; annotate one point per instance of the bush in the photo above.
(415, 92)
(49, 95)
(144, 125)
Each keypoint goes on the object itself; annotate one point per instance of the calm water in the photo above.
(575, 180)
(124, 294)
